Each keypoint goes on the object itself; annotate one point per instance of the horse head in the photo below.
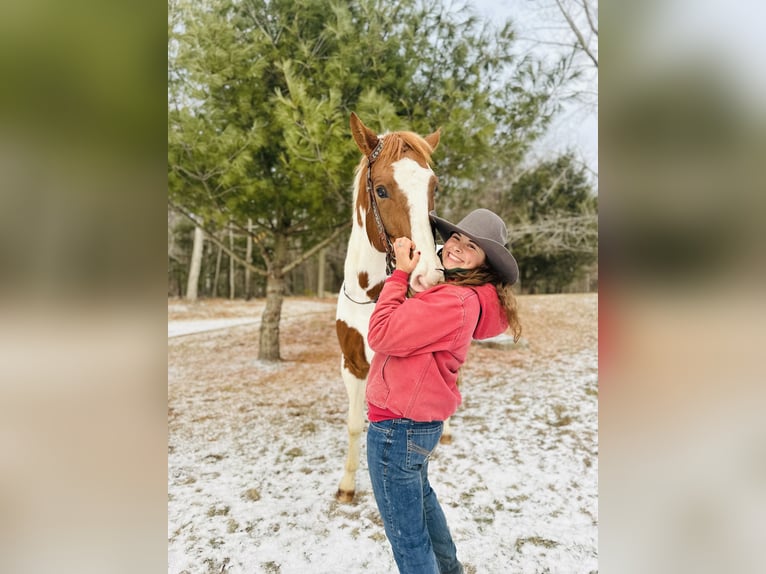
(395, 193)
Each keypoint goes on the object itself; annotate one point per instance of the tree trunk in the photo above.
(320, 272)
(268, 349)
(249, 259)
(196, 265)
(231, 264)
(217, 271)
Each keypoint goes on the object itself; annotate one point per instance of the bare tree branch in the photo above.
(217, 241)
(220, 243)
(591, 24)
(559, 233)
(289, 267)
(580, 39)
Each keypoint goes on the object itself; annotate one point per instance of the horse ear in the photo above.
(365, 138)
(433, 139)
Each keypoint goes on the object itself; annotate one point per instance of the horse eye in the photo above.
(381, 191)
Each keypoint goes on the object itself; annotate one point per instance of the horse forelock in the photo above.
(398, 143)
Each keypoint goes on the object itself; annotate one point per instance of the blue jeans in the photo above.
(397, 457)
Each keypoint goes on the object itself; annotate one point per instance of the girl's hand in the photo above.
(406, 256)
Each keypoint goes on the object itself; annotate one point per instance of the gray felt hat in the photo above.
(488, 231)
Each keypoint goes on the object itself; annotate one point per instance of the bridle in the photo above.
(384, 237)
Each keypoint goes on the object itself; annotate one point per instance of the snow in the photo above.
(256, 451)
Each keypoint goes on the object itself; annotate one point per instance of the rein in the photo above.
(384, 238)
(373, 301)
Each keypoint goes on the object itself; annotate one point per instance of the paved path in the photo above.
(291, 308)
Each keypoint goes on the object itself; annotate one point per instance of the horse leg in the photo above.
(355, 389)
(446, 437)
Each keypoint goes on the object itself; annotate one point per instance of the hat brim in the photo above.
(498, 256)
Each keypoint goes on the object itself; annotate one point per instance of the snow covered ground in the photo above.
(255, 450)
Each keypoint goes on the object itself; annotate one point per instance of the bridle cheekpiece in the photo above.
(384, 238)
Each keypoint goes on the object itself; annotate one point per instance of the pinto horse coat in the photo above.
(394, 190)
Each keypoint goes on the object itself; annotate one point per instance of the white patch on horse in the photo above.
(414, 180)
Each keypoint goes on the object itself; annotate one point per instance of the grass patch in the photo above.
(271, 567)
(535, 541)
(214, 457)
(378, 536)
(252, 495)
(215, 567)
(309, 428)
(562, 419)
(218, 511)
(294, 452)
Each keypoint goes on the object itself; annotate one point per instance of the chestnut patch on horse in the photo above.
(375, 291)
(352, 345)
(364, 279)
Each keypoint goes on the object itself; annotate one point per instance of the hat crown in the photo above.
(485, 224)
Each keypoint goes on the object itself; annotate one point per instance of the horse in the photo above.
(393, 193)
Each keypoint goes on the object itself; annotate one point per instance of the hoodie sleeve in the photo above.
(431, 322)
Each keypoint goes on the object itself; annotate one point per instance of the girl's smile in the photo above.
(460, 252)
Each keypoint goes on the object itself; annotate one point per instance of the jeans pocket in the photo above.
(421, 442)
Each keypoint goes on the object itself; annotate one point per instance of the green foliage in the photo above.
(260, 93)
(552, 213)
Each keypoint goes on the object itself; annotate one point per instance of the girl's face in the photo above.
(460, 252)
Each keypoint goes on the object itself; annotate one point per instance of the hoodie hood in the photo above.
(492, 319)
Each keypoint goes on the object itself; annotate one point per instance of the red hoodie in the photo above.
(421, 342)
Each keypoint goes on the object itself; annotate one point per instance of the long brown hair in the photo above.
(485, 274)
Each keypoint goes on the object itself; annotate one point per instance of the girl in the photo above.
(420, 343)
